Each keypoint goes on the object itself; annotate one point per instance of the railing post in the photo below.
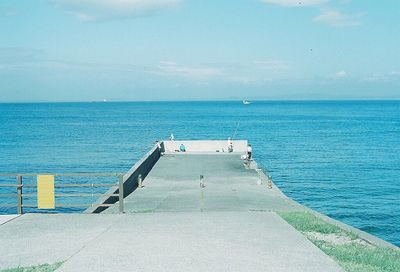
(269, 182)
(19, 195)
(121, 193)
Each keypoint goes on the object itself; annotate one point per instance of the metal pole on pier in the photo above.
(19, 195)
(121, 193)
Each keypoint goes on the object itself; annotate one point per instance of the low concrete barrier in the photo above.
(239, 146)
(142, 167)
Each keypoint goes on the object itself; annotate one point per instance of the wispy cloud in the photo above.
(383, 77)
(272, 65)
(9, 13)
(376, 77)
(249, 80)
(103, 10)
(22, 58)
(195, 73)
(339, 75)
(395, 73)
(295, 3)
(336, 18)
(13, 55)
(328, 15)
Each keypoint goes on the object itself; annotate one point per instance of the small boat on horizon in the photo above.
(246, 102)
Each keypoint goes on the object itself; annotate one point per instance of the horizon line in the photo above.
(198, 100)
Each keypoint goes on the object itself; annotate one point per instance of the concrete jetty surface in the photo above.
(225, 221)
(174, 185)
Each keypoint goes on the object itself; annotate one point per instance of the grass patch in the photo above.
(354, 255)
(306, 222)
(38, 268)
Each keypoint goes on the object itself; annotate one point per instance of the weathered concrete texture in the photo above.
(193, 241)
(5, 218)
(34, 239)
(174, 185)
(224, 241)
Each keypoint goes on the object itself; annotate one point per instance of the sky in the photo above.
(128, 50)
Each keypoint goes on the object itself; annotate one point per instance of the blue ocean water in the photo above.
(341, 158)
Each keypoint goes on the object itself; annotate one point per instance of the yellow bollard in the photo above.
(45, 192)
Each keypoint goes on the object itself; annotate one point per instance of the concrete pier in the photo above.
(174, 186)
(178, 221)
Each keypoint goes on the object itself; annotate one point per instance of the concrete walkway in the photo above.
(8, 217)
(173, 185)
(184, 241)
(173, 224)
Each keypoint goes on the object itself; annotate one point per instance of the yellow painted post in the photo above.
(45, 192)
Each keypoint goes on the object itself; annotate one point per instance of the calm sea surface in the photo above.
(340, 158)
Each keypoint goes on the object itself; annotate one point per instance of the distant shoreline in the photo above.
(205, 101)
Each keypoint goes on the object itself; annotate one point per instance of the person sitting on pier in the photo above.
(249, 151)
(182, 148)
(230, 145)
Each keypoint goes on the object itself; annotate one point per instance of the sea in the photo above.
(341, 158)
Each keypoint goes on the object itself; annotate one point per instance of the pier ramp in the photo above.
(205, 209)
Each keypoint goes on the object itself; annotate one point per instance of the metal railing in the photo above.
(20, 195)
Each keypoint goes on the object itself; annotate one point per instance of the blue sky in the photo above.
(83, 50)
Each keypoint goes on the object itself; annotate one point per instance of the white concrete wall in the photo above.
(214, 146)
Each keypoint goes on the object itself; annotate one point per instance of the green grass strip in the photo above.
(304, 221)
(38, 268)
(353, 256)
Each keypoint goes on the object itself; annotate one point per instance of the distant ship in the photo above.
(246, 102)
